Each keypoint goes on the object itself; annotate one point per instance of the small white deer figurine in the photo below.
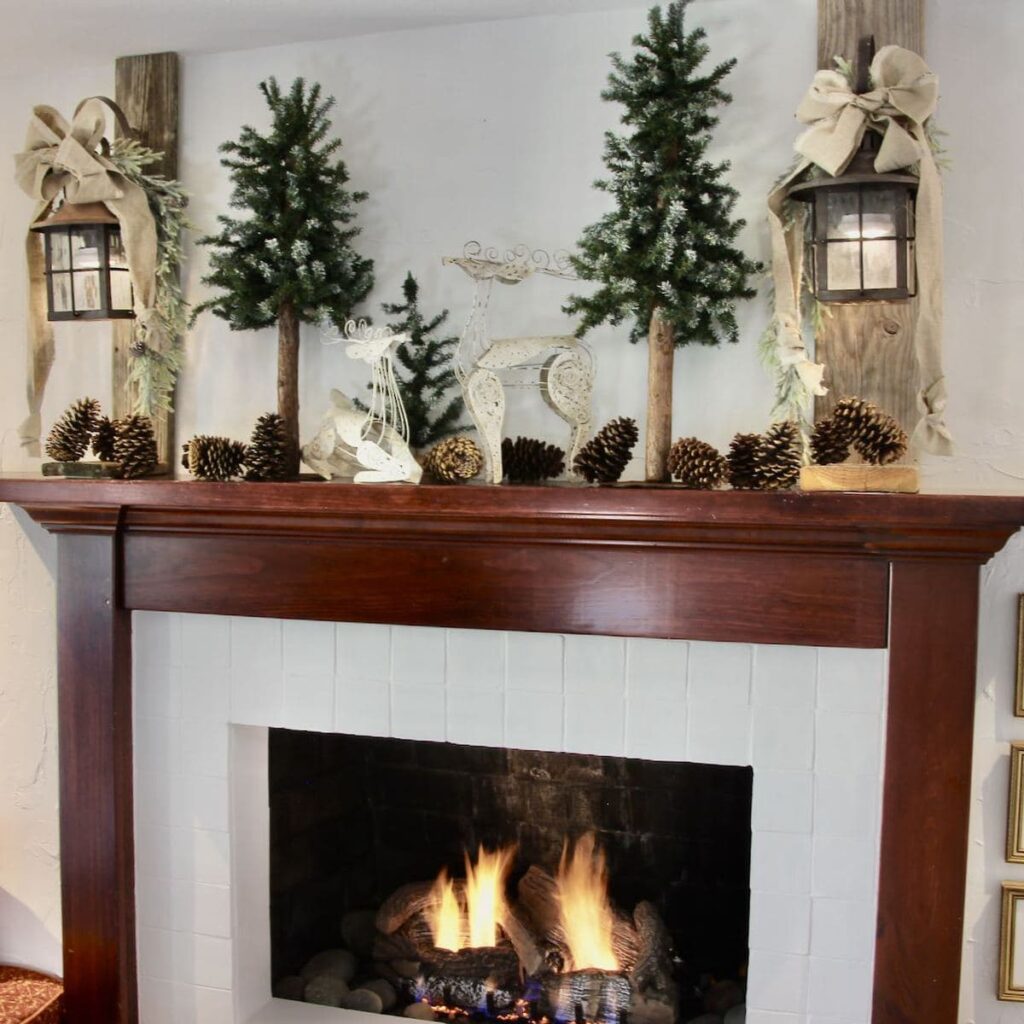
(485, 367)
(370, 445)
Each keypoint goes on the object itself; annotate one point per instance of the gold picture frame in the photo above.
(1011, 947)
(1015, 818)
(1018, 702)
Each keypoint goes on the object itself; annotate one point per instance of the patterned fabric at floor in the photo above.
(28, 997)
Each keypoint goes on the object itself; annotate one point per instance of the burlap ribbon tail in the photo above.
(57, 158)
(904, 96)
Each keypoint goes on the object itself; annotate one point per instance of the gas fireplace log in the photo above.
(498, 963)
(538, 894)
(625, 942)
(653, 969)
(520, 934)
(593, 995)
(405, 901)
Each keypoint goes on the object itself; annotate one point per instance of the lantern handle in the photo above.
(865, 55)
(119, 116)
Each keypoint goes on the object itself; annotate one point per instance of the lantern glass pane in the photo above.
(843, 266)
(911, 267)
(60, 250)
(116, 251)
(86, 248)
(843, 215)
(880, 264)
(120, 290)
(61, 293)
(87, 290)
(880, 206)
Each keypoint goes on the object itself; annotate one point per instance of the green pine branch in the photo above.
(669, 243)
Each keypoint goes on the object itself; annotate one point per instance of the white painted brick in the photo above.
(718, 733)
(839, 987)
(154, 850)
(780, 862)
(308, 701)
(771, 1017)
(309, 648)
(817, 1018)
(417, 712)
(595, 723)
(783, 801)
(205, 641)
(205, 804)
(656, 668)
(156, 951)
(848, 743)
(206, 692)
(362, 707)
(780, 923)
(656, 728)
(843, 929)
(211, 1006)
(153, 902)
(256, 644)
(477, 718)
(719, 674)
(535, 661)
(476, 660)
(205, 856)
(533, 721)
(595, 665)
(203, 909)
(417, 656)
(777, 982)
(159, 742)
(363, 651)
(784, 677)
(846, 805)
(157, 691)
(851, 680)
(156, 639)
(844, 868)
(156, 998)
(154, 803)
(257, 695)
(202, 960)
(784, 738)
(204, 746)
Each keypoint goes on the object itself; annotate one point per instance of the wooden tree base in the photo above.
(892, 479)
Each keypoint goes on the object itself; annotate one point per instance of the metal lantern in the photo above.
(860, 232)
(87, 274)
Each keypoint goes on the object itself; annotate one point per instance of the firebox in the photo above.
(450, 882)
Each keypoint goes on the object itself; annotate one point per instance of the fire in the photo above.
(586, 911)
(455, 926)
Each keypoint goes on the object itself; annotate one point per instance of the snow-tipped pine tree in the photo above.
(665, 257)
(290, 257)
(430, 392)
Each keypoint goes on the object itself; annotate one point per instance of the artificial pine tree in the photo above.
(290, 258)
(665, 256)
(428, 386)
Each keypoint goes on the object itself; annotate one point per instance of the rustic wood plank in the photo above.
(146, 89)
(868, 348)
(853, 477)
(95, 744)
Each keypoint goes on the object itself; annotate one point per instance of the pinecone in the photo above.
(850, 415)
(266, 458)
(527, 460)
(213, 458)
(604, 457)
(742, 461)
(454, 460)
(779, 457)
(70, 436)
(104, 439)
(695, 463)
(881, 440)
(135, 446)
(830, 442)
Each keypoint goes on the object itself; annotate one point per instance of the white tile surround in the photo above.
(810, 722)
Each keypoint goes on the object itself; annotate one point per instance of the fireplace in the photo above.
(572, 887)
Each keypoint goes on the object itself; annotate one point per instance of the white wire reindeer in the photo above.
(370, 445)
(559, 366)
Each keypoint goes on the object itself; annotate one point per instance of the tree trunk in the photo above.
(288, 382)
(661, 350)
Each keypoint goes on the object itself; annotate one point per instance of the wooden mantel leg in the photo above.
(932, 670)
(95, 734)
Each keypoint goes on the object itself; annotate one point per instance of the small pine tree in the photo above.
(665, 256)
(291, 258)
(429, 388)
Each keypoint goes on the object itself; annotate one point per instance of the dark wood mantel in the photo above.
(825, 569)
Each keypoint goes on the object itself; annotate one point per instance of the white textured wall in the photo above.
(494, 131)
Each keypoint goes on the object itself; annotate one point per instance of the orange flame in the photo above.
(586, 911)
(455, 927)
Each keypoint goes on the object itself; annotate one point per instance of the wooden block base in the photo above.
(845, 477)
(96, 470)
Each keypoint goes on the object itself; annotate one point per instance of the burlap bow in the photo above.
(57, 158)
(904, 96)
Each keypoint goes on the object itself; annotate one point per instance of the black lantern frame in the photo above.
(86, 281)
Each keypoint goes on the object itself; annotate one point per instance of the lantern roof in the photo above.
(77, 215)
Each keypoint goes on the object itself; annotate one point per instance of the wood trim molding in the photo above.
(824, 569)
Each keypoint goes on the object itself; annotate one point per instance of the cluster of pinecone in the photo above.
(874, 435)
(603, 459)
(264, 458)
(763, 462)
(527, 460)
(454, 460)
(130, 442)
